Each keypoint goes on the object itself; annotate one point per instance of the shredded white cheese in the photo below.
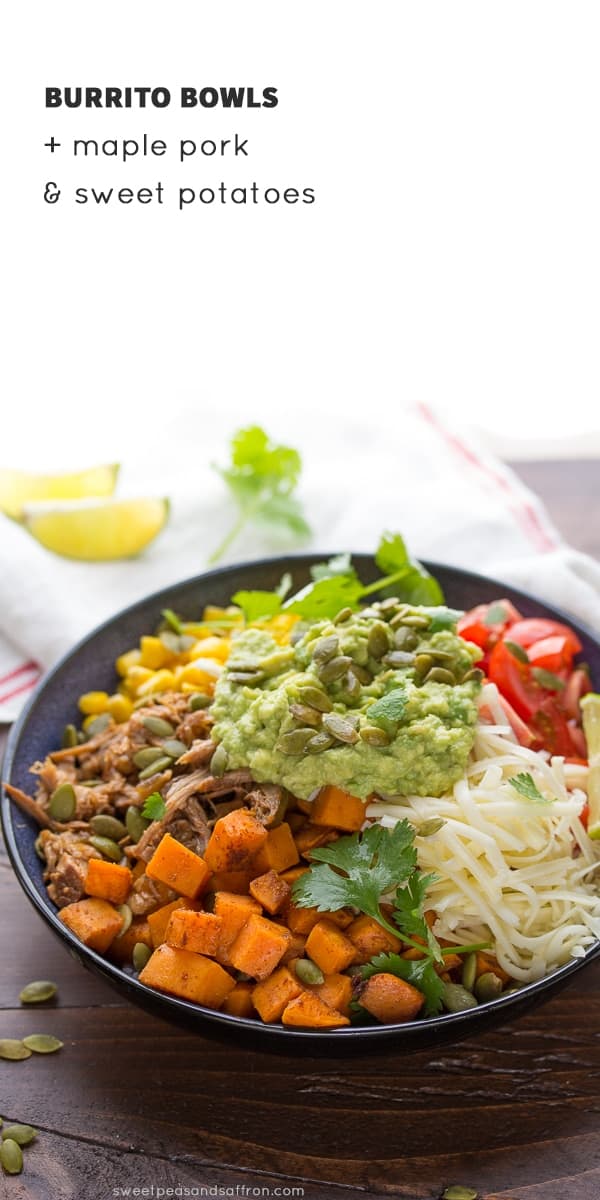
(513, 871)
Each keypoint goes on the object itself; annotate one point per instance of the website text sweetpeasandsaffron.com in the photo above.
(184, 1190)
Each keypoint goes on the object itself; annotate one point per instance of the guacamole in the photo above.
(371, 704)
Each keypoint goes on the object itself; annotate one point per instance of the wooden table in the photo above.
(133, 1102)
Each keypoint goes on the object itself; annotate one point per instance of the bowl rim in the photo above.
(462, 1024)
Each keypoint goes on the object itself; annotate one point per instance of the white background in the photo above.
(452, 256)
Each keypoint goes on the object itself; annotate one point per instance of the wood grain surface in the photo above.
(132, 1102)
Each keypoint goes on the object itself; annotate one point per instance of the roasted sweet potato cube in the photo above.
(159, 919)
(293, 874)
(311, 836)
(179, 868)
(121, 949)
(370, 938)
(234, 911)
(196, 931)
(329, 948)
(301, 920)
(336, 991)
(234, 841)
(231, 881)
(271, 891)
(272, 995)
(295, 948)
(259, 947)
(187, 975)
(239, 1002)
(308, 1011)
(108, 881)
(390, 999)
(279, 851)
(95, 922)
(337, 808)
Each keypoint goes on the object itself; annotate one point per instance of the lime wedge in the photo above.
(19, 488)
(590, 710)
(97, 530)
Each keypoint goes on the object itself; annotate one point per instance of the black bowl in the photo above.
(90, 666)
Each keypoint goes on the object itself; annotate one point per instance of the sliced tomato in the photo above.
(577, 685)
(584, 815)
(513, 680)
(486, 623)
(577, 739)
(522, 732)
(534, 629)
(551, 653)
(554, 734)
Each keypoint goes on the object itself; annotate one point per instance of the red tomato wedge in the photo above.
(513, 680)
(551, 653)
(534, 629)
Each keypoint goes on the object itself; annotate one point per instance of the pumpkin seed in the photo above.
(308, 972)
(457, 1192)
(127, 916)
(107, 848)
(135, 822)
(340, 728)
(487, 987)
(174, 748)
(13, 1049)
(398, 619)
(147, 756)
(423, 663)
(378, 642)
(343, 615)
(334, 669)
(218, 762)
(365, 677)
(199, 700)
(430, 827)
(318, 743)
(414, 621)
(405, 639)
(63, 804)
(273, 663)
(456, 998)
(440, 675)
(294, 741)
(69, 737)
(298, 632)
(441, 656)
(249, 678)
(469, 972)
(374, 735)
(98, 725)
(90, 782)
(476, 674)
(42, 1043)
(315, 697)
(158, 727)
(388, 606)
(140, 956)
(38, 991)
(21, 1134)
(107, 826)
(399, 658)
(159, 764)
(305, 714)
(325, 648)
(11, 1157)
(351, 685)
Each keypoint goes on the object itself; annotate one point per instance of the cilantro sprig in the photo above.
(154, 807)
(359, 871)
(525, 785)
(262, 477)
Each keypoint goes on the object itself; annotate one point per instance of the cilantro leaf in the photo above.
(262, 477)
(525, 786)
(412, 584)
(389, 709)
(154, 807)
(325, 597)
(409, 911)
(419, 972)
(373, 862)
(256, 605)
(442, 617)
(340, 564)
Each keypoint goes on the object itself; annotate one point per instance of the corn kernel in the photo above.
(126, 661)
(211, 647)
(190, 689)
(160, 681)
(213, 613)
(153, 653)
(136, 676)
(93, 703)
(120, 708)
(200, 677)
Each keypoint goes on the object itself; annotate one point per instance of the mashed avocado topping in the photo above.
(383, 700)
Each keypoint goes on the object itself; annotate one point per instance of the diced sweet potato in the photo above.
(259, 947)
(295, 820)
(231, 881)
(334, 807)
(303, 806)
(370, 938)
(336, 991)
(278, 852)
(301, 920)
(108, 881)
(187, 975)
(271, 891)
(390, 999)
(95, 922)
(159, 919)
(295, 948)
(450, 963)
(234, 911)
(311, 836)
(179, 868)
(293, 874)
(487, 962)
(329, 948)
(239, 1002)
(121, 948)
(272, 995)
(196, 931)
(234, 841)
(308, 1011)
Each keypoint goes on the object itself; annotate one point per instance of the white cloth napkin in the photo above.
(451, 501)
